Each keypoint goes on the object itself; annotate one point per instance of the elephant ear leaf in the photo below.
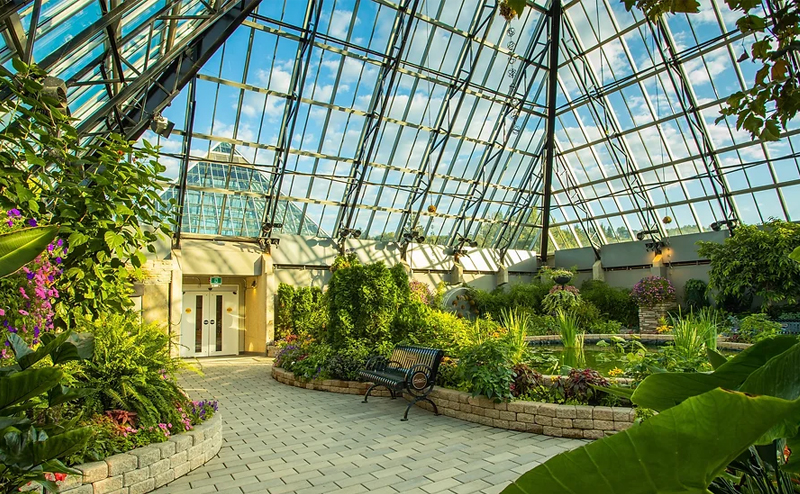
(680, 450)
(715, 358)
(61, 445)
(22, 386)
(22, 246)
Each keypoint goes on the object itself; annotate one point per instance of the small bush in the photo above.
(526, 380)
(485, 370)
(131, 370)
(283, 311)
(756, 327)
(578, 386)
(615, 304)
(694, 294)
(541, 325)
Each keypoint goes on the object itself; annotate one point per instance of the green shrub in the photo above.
(525, 295)
(484, 369)
(283, 311)
(694, 294)
(309, 312)
(615, 304)
(755, 261)
(314, 364)
(565, 298)
(362, 304)
(347, 362)
(131, 370)
(604, 327)
(425, 326)
(757, 327)
(540, 325)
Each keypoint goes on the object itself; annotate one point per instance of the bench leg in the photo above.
(417, 400)
(366, 395)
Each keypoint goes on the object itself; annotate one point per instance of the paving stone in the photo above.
(282, 439)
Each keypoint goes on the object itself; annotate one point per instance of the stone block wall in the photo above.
(146, 469)
(649, 317)
(549, 419)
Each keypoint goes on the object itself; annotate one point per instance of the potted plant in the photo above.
(558, 275)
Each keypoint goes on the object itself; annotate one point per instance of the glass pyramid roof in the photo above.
(386, 115)
(234, 211)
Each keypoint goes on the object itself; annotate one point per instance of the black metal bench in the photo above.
(410, 368)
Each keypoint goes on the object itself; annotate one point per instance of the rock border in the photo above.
(549, 419)
(145, 469)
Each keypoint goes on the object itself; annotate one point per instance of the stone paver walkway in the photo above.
(282, 439)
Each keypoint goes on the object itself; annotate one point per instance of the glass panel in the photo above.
(219, 323)
(198, 324)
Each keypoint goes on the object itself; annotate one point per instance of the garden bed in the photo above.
(147, 468)
(549, 419)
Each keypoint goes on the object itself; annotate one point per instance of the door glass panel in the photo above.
(219, 323)
(198, 324)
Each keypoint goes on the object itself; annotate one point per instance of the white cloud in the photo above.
(340, 23)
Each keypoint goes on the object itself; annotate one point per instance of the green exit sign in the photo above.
(216, 281)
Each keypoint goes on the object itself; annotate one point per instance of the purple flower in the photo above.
(58, 260)
(60, 242)
(14, 213)
(32, 222)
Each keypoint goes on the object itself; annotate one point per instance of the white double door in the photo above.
(210, 324)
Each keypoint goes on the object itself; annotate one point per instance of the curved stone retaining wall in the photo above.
(145, 469)
(575, 421)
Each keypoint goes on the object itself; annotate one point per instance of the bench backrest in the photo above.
(409, 356)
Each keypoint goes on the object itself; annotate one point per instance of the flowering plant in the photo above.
(203, 410)
(28, 296)
(420, 292)
(653, 290)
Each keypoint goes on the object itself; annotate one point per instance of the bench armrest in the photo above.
(419, 377)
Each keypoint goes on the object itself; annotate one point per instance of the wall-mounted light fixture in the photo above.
(265, 240)
(345, 233)
(409, 237)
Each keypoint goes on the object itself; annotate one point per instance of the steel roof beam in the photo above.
(379, 106)
(291, 111)
(160, 83)
(448, 115)
(503, 129)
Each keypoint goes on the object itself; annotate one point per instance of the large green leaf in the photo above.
(795, 254)
(662, 391)
(680, 450)
(715, 358)
(745, 362)
(26, 384)
(60, 446)
(22, 246)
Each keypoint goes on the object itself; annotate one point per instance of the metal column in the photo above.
(550, 143)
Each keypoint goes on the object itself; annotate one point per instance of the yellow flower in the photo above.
(616, 371)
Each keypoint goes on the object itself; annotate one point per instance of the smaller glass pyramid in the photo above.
(226, 196)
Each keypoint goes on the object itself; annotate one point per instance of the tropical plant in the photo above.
(756, 261)
(565, 298)
(694, 294)
(516, 324)
(569, 330)
(104, 195)
(485, 370)
(653, 290)
(20, 247)
(756, 327)
(694, 333)
(32, 442)
(705, 423)
(131, 369)
(615, 304)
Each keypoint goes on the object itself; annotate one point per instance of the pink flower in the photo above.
(24, 312)
(2, 312)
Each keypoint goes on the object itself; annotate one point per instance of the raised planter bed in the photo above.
(575, 421)
(147, 468)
